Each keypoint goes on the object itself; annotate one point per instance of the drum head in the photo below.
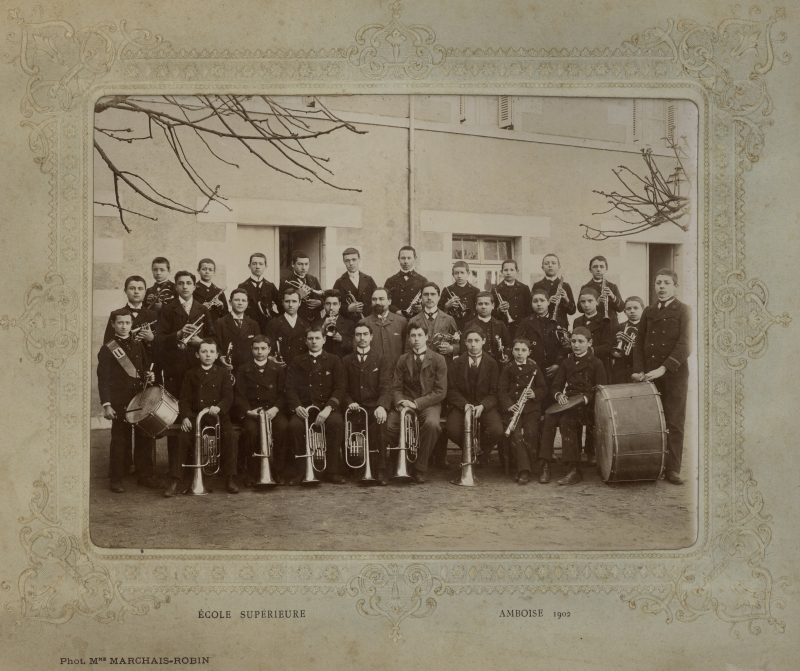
(143, 404)
(572, 402)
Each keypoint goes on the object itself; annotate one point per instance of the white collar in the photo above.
(431, 314)
(257, 280)
(261, 365)
(485, 320)
(510, 284)
(362, 352)
(129, 306)
(580, 356)
(205, 284)
(476, 359)
(187, 304)
(206, 368)
(354, 276)
(415, 353)
(289, 318)
(239, 317)
(314, 355)
(667, 302)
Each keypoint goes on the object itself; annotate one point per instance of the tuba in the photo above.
(409, 311)
(206, 453)
(625, 340)
(265, 435)
(315, 448)
(472, 432)
(606, 315)
(357, 445)
(408, 446)
(557, 302)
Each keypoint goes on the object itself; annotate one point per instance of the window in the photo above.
(485, 256)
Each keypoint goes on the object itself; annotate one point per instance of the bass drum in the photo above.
(630, 432)
(153, 410)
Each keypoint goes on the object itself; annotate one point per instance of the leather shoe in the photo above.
(172, 489)
(524, 477)
(419, 478)
(572, 478)
(337, 479)
(116, 487)
(230, 485)
(150, 481)
(673, 477)
(544, 476)
(383, 481)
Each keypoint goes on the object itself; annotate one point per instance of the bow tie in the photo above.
(406, 275)
(260, 370)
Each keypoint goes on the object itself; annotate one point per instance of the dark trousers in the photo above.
(250, 443)
(377, 441)
(120, 449)
(491, 429)
(673, 392)
(524, 440)
(429, 431)
(173, 385)
(227, 457)
(571, 422)
(439, 452)
(334, 434)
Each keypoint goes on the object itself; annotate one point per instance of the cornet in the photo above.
(194, 327)
(306, 292)
(278, 356)
(441, 338)
(142, 327)
(214, 302)
(315, 448)
(459, 309)
(501, 352)
(265, 436)
(330, 324)
(625, 340)
(409, 311)
(349, 300)
(563, 336)
(499, 299)
(408, 446)
(357, 445)
(206, 453)
(472, 432)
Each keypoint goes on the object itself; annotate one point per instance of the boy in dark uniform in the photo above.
(498, 339)
(550, 283)
(580, 373)
(406, 284)
(602, 332)
(515, 297)
(353, 283)
(341, 342)
(163, 291)
(458, 300)
(621, 363)
(135, 289)
(262, 295)
(660, 355)
(514, 379)
(369, 385)
(317, 378)
(546, 349)
(308, 286)
(235, 333)
(208, 293)
(286, 332)
(472, 379)
(122, 367)
(598, 266)
(260, 384)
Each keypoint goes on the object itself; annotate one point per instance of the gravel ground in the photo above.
(498, 516)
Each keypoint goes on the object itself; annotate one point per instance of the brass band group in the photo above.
(368, 383)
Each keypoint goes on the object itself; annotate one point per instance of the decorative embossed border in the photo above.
(723, 69)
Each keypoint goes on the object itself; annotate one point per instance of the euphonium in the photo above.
(409, 311)
(606, 315)
(206, 453)
(625, 340)
(408, 447)
(557, 302)
(265, 436)
(356, 451)
(472, 430)
(315, 448)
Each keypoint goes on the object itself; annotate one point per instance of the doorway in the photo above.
(659, 256)
(309, 240)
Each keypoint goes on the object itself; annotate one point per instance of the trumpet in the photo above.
(501, 352)
(215, 302)
(206, 453)
(441, 338)
(459, 309)
(472, 432)
(556, 303)
(194, 327)
(315, 448)
(563, 336)
(306, 292)
(409, 311)
(625, 340)
(265, 435)
(142, 327)
(349, 300)
(604, 300)
(357, 444)
(330, 324)
(408, 446)
(499, 299)
(523, 399)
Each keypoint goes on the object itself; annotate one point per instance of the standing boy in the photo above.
(436, 322)
(308, 286)
(340, 342)
(660, 355)
(262, 295)
(286, 332)
(625, 335)
(208, 293)
(515, 297)
(598, 267)
(163, 290)
(144, 319)
(498, 339)
(405, 286)
(602, 332)
(235, 332)
(355, 284)
(458, 300)
(551, 283)
(546, 349)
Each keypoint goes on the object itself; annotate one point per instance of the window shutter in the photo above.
(506, 120)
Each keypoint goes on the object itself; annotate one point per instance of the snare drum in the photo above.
(630, 432)
(153, 410)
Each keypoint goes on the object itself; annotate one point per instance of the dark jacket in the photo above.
(664, 339)
(389, 337)
(602, 338)
(258, 390)
(566, 306)
(205, 294)
(113, 382)
(519, 300)
(174, 360)
(292, 340)
(204, 388)
(143, 316)
(614, 306)
(370, 383)
(546, 350)
(320, 385)
(346, 327)
(468, 295)
(166, 291)
(491, 329)
(459, 391)
(308, 314)
(432, 379)
(443, 323)
(514, 379)
(262, 301)
(404, 290)
(580, 376)
(622, 367)
(362, 293)
(242, 339)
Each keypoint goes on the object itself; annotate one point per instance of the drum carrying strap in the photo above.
(119, 354)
